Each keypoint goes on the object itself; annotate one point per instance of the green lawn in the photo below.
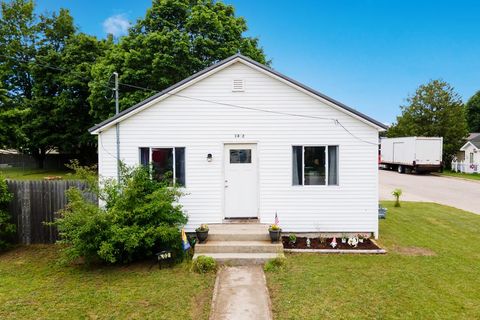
(472, 176)
(34, 286)
(432, 271)
(17, 173)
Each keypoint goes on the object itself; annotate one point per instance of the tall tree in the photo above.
(175, 39)
(45, 68)
(434, 110)
(473, 112)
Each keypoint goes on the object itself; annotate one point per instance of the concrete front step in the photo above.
(238, 232)
(238, 247)
(239, 259)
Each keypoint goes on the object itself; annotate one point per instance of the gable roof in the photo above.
(476, 142)
(204, 73)
(473, 135)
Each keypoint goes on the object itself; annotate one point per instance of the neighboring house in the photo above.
(247, 141)
(468, 159)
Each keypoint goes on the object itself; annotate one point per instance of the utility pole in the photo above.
(117, 125)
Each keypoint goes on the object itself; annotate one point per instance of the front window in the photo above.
(315, 165)
(165, 161)
(471, 157)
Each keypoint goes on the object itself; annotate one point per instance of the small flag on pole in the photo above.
(276, 219)
(185, 243)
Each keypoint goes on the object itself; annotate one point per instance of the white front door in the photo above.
(241, 181)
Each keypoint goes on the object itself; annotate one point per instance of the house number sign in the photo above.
(239, 135)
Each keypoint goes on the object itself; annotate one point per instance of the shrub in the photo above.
(138, 217)
(292, 238)
(397, 193)
(7, 228)
(204, 264)
(275, 263)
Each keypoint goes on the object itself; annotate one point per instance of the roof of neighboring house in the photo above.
(476, 141)
(473, 135)
(9, 151)
(120, 116)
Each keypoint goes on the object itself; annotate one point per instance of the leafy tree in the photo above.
(434, 110)
(7, 228)
(9, 120)
(473, 112)
(45, 69)
(140, 217)
(175, 39)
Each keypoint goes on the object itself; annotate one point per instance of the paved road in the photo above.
(459, 193)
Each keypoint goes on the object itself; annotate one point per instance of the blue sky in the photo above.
(369, 54)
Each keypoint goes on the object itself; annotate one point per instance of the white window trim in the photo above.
(326, 185)
(150, 153)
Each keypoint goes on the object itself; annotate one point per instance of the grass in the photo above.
(430, 272)
(34, 286)
(472, 176)
(18, 173)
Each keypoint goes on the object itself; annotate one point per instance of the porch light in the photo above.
(209, 157)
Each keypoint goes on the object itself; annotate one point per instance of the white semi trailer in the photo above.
(407, 154)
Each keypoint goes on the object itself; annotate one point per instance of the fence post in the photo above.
(26, 216)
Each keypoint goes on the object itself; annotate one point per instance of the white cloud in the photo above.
(117, 25)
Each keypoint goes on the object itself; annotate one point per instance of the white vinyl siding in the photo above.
(204, 127)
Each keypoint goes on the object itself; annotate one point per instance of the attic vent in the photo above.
(238, 85)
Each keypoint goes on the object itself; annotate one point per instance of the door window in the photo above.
(240, 156)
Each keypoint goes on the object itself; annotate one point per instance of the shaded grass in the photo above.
(34, 286)
(472, 176)
(402, 284)
(17, 173)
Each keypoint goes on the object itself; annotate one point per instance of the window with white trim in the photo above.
(315, 165)
(165, 161)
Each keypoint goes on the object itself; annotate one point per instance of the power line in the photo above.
(336, 121)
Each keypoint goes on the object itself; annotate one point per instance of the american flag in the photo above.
(276, 219)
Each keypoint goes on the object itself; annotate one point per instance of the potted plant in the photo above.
(344, 238)
(274, 230)
(202, 233)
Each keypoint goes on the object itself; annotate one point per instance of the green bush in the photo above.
(204, 264)
(7, 228)
(275, 263)
(138, 217)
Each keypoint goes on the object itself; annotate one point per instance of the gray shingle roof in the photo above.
(473, 135)
(476, 141)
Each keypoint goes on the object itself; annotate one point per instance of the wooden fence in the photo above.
(37, 201)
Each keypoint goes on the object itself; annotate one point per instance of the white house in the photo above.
(247, 141)
(469, 159)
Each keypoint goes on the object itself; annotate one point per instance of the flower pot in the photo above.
(202, 236)
(344, 240)
(274, 235)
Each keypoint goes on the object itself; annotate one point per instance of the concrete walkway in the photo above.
(241, 293)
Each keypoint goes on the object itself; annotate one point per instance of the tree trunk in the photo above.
(39, 156)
